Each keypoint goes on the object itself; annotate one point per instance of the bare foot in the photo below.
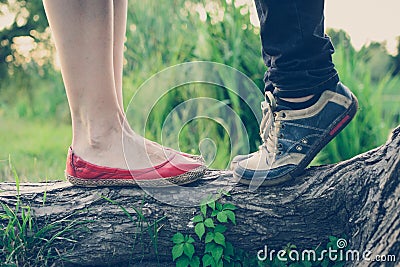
(127, 151)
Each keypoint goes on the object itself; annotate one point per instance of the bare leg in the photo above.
(92, 69)
(120, 17)
(120, 11)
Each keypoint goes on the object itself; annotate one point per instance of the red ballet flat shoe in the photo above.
(195, 157)
(173, 171)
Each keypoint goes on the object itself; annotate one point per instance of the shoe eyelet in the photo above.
(280, 146)
(299, 148)
(279, 153)
(281, 135)
(275, 114)
(304, 141)
(283, 115)
(282, 126)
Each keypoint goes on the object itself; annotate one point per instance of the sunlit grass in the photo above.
(37, 149)
(34, 117)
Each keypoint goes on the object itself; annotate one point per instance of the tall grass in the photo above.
(377, 115)
(24, 243)
(34, 116)
(208, 31)
(37, 148)
(178, 34)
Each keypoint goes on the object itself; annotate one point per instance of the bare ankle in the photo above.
(98, 133)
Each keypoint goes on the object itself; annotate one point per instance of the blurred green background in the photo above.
(35, 129)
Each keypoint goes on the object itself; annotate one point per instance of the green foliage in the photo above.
(29, 23)
(38, 149)
(183, 250)
(178, 35)
(141, 222)
(378, 106)
(210, 227)
(23, 243)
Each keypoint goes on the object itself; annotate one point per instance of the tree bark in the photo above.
(357, 199)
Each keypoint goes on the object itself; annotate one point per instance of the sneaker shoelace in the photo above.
(269, 126)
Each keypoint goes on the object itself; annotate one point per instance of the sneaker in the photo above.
(293, 137)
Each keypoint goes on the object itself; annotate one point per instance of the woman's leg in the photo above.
(91, 64)
(120, 16)
(120, 11)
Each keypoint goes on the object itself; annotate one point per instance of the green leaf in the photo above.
(211, 204)
(333, 238)
(222, 217)
(231, 216)
(209, 223)
(219, 239)
(325, 262)
(208, 260)
(229, 206)
(210, 247)
(278, 263)
(214, 213)
(188, 249)
(177, 251)
(182, 262)
(339, 264)
(227, 258)
(225, 193)
(217, 253)
(203, 202)
(203, 209)
(190, 240)
(231, 264)
(229, 250)
(197, 218)
(218, 206)
(178, 238)
(195, 262)
(199, 230)
(220, 228)
(209, 237)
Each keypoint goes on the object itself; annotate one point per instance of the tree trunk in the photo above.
(357, 199)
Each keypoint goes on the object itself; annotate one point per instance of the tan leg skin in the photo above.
(91, 65)
(120, 11)
(120, 17)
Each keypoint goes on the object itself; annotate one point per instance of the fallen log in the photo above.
(357, 198)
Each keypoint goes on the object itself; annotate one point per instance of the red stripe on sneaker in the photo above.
(340, 124)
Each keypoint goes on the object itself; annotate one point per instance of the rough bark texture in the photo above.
(358, 198)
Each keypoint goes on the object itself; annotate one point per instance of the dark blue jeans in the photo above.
(295, 48)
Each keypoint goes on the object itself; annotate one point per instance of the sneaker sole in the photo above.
(332, 132)
(185, 178)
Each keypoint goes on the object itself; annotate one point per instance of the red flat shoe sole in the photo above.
(171, 172)
(186, 178)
